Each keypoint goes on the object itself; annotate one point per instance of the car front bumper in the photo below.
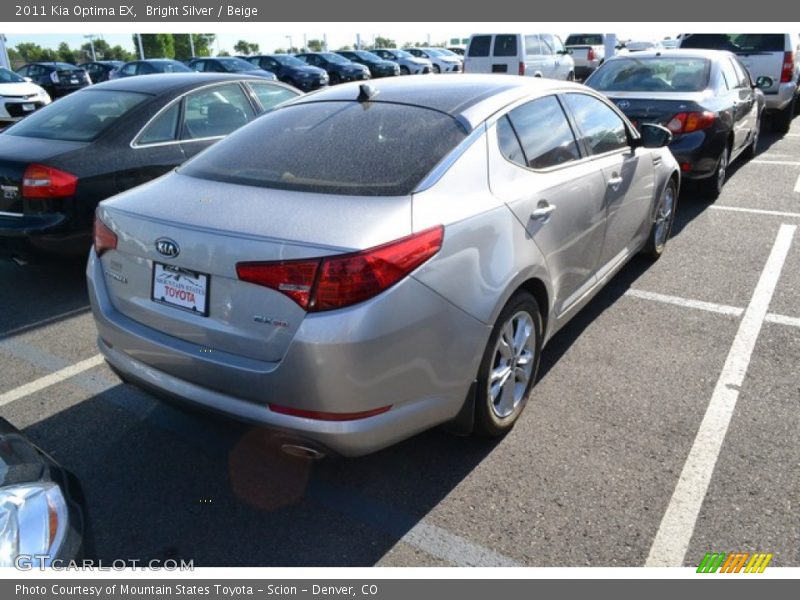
(779, 100)
(421, 361)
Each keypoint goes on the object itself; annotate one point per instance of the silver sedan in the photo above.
(376, 259)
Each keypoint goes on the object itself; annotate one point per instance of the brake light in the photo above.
(788, 67)
(104, 238)
(521, 68)
(40, 181)
(590, 54)
(332, 282)
(686, 122)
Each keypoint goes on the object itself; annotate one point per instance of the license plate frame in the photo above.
(190, 285)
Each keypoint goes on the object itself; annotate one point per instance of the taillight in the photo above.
(521, 68)
(788, 67)
(686, 122)
(40, 181)
(104, 238)
(590, 54)
(332, 282)
(54, 76)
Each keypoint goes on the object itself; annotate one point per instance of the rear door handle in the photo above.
(543, 212)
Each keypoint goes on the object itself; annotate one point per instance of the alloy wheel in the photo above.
(512, 364)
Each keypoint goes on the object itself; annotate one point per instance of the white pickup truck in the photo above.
(587, 50)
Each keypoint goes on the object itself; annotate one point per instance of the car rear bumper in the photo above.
(419, 361)
(780, 99)
(699, 150)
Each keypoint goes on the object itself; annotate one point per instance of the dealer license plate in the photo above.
(28, 107)
(180, 288)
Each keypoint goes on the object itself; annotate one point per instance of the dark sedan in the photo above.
(292, 70)
(57, 78)
(58, 163)
(339, 69)
(42, 507)
(149, 66)
(377, 66)
(228, 64)
(100, 70)
(704, 97)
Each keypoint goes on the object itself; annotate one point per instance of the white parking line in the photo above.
(48, 380)
(787, 163)
(677, 525)
(722, 309)
(782, 320)
(757, 211)
(797, 185)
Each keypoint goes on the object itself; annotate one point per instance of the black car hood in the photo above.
(19, 149)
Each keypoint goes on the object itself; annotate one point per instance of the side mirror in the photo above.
(764, 82)
(653, 136)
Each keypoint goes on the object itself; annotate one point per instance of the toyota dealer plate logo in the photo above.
(623, 104)
(167, 247)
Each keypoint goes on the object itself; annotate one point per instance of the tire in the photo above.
(404, 70)
(750, 152)
(662, 224)
(711, 187)
(498, 406)
(571, 76)
(782, 120)
(334, 79)
(436, 69)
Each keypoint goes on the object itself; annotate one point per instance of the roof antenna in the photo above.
(366, 92)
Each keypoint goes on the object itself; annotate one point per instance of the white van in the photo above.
(531, 54)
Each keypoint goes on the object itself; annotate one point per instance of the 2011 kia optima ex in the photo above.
(372, 260)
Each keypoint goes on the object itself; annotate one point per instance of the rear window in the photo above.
(79, 117)
(505, 45)
(585, 39)
(369, 149)
(740, 43)
(652, 75)
(480, 45)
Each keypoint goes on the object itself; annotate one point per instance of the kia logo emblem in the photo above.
(623, 104)
(166, 247)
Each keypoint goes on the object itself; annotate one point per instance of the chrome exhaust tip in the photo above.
(302, 451)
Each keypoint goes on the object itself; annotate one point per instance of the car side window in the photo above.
(533, 45)
(602, 129)
(479, 46)
(544, 134)
(199, 66)
(547, 43)
(215, 112)
(509, 142)
(270, 95)
(270, 64)
(130, 69)
(36, 71)
(742, 75)
(145, 69)
(164, 128)
(729, 74)
(558, 45)
(22, 71)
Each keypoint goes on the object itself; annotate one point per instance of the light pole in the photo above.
(91, 37)
(191, 44)
(141, 48)
(289, 50)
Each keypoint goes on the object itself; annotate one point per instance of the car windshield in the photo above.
(360, 149)
(289, 61)
(334, 58)
(79, 117)
(660, 74)
(740, 43)
(170, 66)
(7, 76)
(585, 39)
(235, 65)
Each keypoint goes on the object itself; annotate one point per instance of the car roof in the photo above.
(471, 98)
(163, 82)
(678, 53)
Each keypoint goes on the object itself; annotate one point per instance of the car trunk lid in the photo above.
(655, 107)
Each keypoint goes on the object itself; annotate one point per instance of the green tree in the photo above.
(382, 42)
(223, 53)
(245, 47)
(67, 54)
(279, 51)
(119, 53)
(30, 52)
(157, 45)
(315, 45)
(202, 44)
(346, 47)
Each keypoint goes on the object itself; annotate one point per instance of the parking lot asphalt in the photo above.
(624, 456)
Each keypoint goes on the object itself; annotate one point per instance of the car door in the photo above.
(505, 54)
(211, 113)
(746, 106)
(629, 176)
(554, 190)
(564, 61)
(478, 55)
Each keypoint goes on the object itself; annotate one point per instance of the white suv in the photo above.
(774, 55)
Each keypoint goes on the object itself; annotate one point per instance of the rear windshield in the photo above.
(235, 65)
(479, 45)
(79, 117)
(661, 74)
(360, 149)
(741, 43)
(170, 66)
(585, 39)
(505, 45)
(288, 61)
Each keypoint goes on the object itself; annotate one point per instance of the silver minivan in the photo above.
(531, 54)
